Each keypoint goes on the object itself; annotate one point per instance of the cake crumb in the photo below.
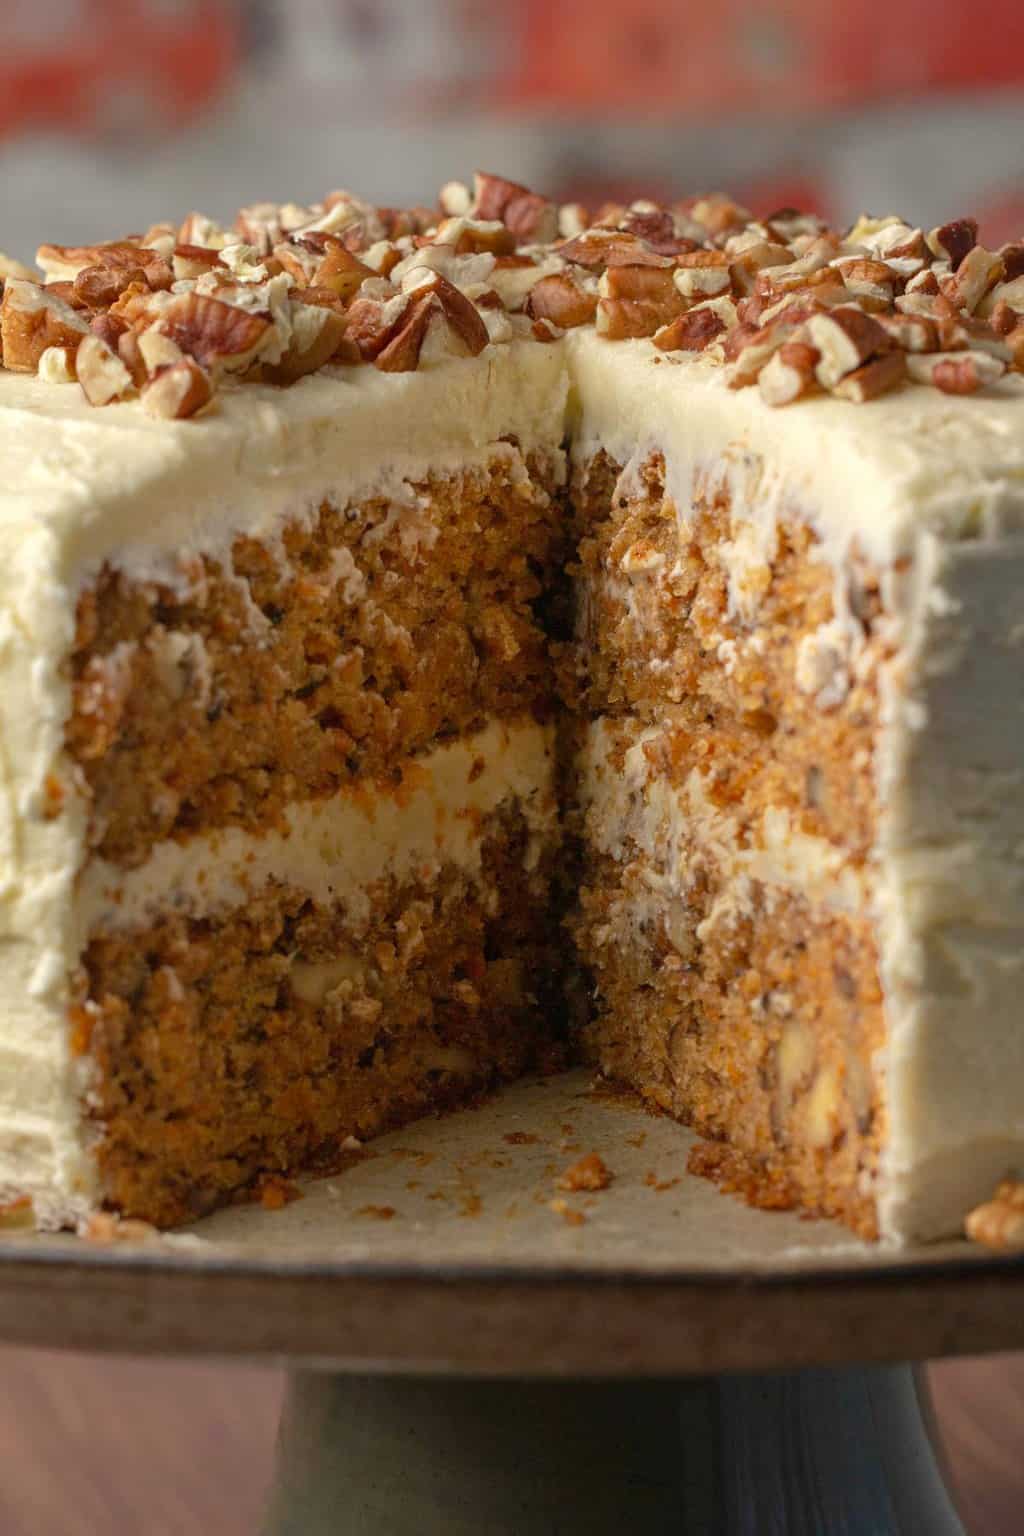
(520, 1138)
(106, 1227)
(999, 1222)
(378, 1212)
(762, 1188)
(275, 1193)
(569, 1215)
(591, 1172)
(659, 1185)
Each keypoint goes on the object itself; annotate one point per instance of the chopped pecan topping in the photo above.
(402, 352)
(317, 333)
(101, 373)
(845, 338)
(217, 335)
(952, 241)
(873, 379)
(690, 332)
(529, 217)
(292, 288)
(559, 299)
(703, 274)
(788, 373)
(31, 320)
(178, 391)
(956, 373)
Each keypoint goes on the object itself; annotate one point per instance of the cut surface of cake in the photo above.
(393, 603)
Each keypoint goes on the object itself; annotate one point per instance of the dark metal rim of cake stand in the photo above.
(505, 1320)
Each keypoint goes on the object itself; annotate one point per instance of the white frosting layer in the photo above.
(872, 476)
(81, 486)
(669, 834)
(118, 484)
(931, 491)
(337, 850)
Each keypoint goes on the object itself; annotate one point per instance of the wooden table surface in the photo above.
(114, 1447)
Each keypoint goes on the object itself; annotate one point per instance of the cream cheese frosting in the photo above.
(430, 815)
(928, 488)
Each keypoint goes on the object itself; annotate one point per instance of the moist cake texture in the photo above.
(382, 590)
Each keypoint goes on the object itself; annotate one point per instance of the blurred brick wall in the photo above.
(126, 104)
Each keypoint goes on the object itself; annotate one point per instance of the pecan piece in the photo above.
(914, 333)
(217, 335)
(873, 379)
(952, 241)
(197, 229)
(656, 228)
(99, 287)
(871, 282)
(600, 248)
(101, 373)
(955, 373)
(33, 319)
(636, 301)
(341, 271)
(559, 299)
(402, 352)
(192, 261)
(373, 321)
(846, 338)
(178, 391)
(690, 332)
(461, 313)
(788, 374)
(703, 274)
(531, 218)
(316, 335)
(979, 271)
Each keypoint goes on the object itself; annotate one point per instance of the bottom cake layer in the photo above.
(257, 1042)
(242, 1002)
(735, 980)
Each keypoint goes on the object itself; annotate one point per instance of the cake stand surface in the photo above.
(476, 1348)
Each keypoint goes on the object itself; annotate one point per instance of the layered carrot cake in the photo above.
(366, 572)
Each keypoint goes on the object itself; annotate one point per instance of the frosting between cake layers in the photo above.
(635, 812)
(336, 850)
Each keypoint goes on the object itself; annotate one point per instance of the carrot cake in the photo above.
(366, 571)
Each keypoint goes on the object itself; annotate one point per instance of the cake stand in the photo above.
(476, 1349)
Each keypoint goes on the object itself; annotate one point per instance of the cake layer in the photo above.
(333, 652)
(750, 1014)
(748, 659)
(426, 816)
(868, 477)
(258, 1041)
(437, 831)
(735, 971)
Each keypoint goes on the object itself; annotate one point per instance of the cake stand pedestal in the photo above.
(806, 1453)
